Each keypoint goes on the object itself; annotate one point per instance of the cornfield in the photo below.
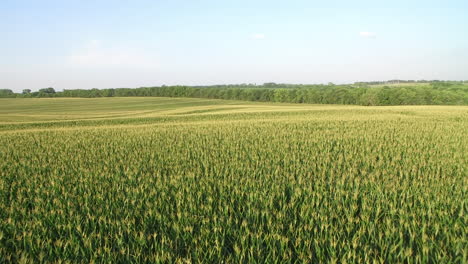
(208, 181)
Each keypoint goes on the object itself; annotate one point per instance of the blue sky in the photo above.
(85, 44)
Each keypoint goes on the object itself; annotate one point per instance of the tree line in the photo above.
(437, 93)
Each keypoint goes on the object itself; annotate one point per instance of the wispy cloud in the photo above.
(367, 34)
(95, 54)
(258, 36)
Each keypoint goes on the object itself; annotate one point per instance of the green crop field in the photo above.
(179, 180)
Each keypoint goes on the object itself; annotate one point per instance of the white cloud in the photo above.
(95, 54)
(366, 34)
(258, 36)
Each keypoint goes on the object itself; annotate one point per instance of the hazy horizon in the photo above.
(111, 44)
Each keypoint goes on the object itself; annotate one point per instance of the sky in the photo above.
(110, 43)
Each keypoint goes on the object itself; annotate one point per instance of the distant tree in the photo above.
(94, 93)
(6, 93)
(48, 90)
(270, 84)
(108, 92)
(370, 97)
(280, 95)
(446, 92)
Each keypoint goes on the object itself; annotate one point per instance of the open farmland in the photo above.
(198, 180)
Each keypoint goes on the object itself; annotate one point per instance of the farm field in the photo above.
(180, 180)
